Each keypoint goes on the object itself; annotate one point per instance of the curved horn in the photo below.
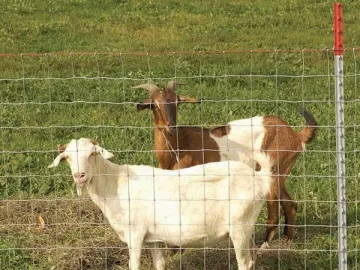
(172, 85)
(150, 87)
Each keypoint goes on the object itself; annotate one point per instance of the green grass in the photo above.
(127, 26)
(49, 99)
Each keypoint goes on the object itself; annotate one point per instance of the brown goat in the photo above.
(174, 147)
(179, 147)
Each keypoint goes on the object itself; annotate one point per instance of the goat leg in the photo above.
(273, 214)
(289, 207)
(157, 256)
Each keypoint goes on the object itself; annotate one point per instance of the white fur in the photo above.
(244, 138)
(194, 207)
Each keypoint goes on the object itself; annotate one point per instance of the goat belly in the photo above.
(200, 223)
(188, 235)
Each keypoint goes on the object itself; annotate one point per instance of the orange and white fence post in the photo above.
(340, 133)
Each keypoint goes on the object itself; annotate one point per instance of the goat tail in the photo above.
(308, 132)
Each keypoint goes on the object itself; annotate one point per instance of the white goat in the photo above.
(193, 207)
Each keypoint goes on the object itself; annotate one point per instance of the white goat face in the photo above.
(81, 157)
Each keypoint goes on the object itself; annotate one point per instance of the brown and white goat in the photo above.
(179, 147)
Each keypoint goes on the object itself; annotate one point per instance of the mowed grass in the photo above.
(49, 99)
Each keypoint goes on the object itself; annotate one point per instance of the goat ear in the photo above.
(94, 142)
(103, 152)
(57, 160)
(61, 148)
(146, 104)
(185, 99)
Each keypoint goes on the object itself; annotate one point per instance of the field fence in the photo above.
(49, 99)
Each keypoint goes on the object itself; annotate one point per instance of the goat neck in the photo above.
(166, 146)
(105, 182)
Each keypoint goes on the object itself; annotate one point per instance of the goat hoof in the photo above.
(264, 245)
(288, 242)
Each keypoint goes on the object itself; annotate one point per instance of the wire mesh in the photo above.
(49, 99)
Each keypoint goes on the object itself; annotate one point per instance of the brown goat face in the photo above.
(164, 104)
(165, 110)
(168, 108)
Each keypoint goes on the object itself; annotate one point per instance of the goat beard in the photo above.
(78, 191)
(79, 188)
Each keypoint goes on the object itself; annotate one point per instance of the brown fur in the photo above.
(220, 131)
(186, 145)
(283, 145)
(177, 147)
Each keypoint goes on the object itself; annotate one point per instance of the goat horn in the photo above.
(172, 85)
(150, 87)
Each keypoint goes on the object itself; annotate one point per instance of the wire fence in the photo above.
(49, 99)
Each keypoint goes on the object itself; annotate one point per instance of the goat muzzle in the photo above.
(171, 130)
(80, 178)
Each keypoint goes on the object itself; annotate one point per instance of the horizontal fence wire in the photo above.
(33, 54)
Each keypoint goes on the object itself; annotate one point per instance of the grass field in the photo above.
(49, 99)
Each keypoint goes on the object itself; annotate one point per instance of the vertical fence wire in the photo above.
(355, 126)
(329, 118)
(303, 161)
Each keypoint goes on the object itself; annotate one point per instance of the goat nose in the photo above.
(172, 130)
(79, 175)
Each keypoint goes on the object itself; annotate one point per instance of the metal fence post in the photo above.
(340, 134)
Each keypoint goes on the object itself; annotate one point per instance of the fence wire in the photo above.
(49, 99)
